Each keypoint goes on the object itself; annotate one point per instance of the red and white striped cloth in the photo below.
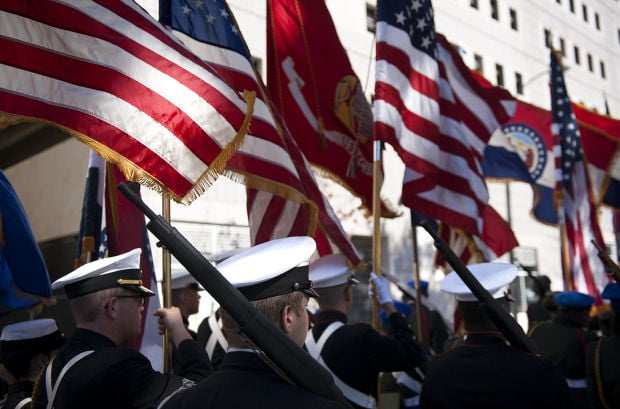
(111, 76)
(578, 212)
(435, 114)
(439, 119)
(283, 198)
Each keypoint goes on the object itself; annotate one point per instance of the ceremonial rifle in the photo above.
(611, 268)
(504, 322)
(296, 363)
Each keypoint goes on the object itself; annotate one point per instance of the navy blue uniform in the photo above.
(17, 392)
(245, 381)
(483, 371)
(356, 353)
(565, 346)
(115, 377)
(603, 378)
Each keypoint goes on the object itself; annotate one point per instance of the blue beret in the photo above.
(574, 299)
(423, 284)
(401, 307)
(612, 292)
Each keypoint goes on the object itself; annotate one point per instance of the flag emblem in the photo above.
(529, 145)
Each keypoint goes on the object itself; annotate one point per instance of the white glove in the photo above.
(382, 289)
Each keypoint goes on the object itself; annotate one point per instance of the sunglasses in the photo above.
(141, 299)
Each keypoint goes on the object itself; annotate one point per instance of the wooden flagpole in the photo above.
(416, 276)
(376, 213)
(166, 288)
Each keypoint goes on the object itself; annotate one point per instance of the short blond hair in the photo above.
(271, 307)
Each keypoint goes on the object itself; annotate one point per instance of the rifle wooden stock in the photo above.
(497, 314)
(296, 363)
(611, 268)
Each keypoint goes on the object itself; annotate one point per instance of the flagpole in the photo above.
(509, 218)
(564, 254)
(416, 276)
(376, 213)
(165, 287)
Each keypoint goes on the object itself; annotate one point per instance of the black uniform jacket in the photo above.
(245, 381)
(115, 377)
(18, 391)
(356, 353)
(564, 345)
(483, 371)
(605, 377)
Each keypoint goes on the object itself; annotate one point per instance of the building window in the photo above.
(478, 66)
(584, 10)
(590, 63)
(519, 83)
(562, 47)
(571, 5)
(577, 56)
(597, 21)
(548, 39)
(499, 75)
(494, 11)
(473, 3)
(514, 24)
(603, 72)
(371, 18)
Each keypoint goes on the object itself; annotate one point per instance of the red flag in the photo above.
(585, 271)
(322, 103)
(116, 80)
(283, 197)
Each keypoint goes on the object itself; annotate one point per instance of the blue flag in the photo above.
(24, 281)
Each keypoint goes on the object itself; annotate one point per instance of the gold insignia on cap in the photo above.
(123, 281)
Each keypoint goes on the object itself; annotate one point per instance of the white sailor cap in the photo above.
(121, 271)
(218, 257)
(330, 271)
(494, 277)
(29, 338)
(272, 268)
(183, 279)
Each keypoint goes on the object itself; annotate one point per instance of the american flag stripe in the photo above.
(113, 71)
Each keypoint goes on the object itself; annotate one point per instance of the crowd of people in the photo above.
(402, 364)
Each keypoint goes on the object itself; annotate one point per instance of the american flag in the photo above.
(110, 75)
(283, 196)
(577, 212)
(431, 109)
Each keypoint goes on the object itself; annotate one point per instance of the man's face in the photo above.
(132, 305)
(192, 300)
